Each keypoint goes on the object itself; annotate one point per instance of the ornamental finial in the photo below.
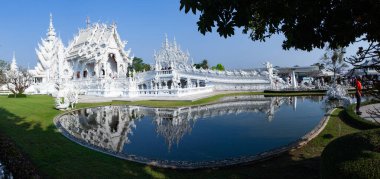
(175, 43)
(87, 21)
(166, 41)
(51, 31)
(51, 21)
(14, 64)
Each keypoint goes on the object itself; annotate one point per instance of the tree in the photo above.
(18, 81)
(305, 24)
(333, 60)
(203, 64)
(139, 65)
(368, 58)
(4, 66)
(320, 66)
(218, 67)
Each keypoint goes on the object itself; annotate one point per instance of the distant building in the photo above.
(367, 69)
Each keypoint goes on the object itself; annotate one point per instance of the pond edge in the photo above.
(244, 160)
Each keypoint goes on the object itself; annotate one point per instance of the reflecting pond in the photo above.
(234, 127)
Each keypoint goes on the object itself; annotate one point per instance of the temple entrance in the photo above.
(111, 65)
(85, 74)
(89, 68)
(183, 83)
(170, 83)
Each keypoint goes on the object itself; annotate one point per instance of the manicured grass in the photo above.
(29, 123)
(353, 156)
(158, 103)
(352, 118)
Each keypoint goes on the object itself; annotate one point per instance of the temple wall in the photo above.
(241, 86)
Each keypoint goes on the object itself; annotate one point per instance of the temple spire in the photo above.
(175, 44)
(14, 64)
(166, 41)
(88, 22)
(51, 31)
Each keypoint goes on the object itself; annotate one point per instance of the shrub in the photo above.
(17, 96)
(352, 156)
(357, 121)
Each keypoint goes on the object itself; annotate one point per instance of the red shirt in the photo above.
(358, 85)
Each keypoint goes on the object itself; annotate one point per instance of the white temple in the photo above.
(95, 63)
(51, 65)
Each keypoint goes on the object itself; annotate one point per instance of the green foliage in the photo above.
(139, 65)
(353, 156)
(203, 64)
(305, 24)
(320, 66)
(218, 67)
(17, 96)
(4, 66)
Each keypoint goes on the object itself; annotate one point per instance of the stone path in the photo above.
(99, 99)
(368, 112)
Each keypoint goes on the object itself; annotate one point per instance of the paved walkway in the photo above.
(371, 112)
(99, 99)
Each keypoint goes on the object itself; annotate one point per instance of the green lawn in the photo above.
(29, 123)
(157, 103)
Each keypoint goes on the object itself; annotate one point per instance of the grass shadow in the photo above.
(11, 156)
(354, 121)
(36, 143)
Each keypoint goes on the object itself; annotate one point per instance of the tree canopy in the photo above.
(368, 58)
(18, 80)
(320, 66)
(4, 66)
(203, 64)
(218, 67)
(305, 24)
(139, 65)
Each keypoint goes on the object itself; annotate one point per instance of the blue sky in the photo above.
(143, 24)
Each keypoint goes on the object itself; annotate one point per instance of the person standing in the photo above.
(358, 95)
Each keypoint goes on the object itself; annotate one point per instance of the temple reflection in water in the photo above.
(110, 127)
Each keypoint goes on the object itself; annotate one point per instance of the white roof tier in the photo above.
(91, 43)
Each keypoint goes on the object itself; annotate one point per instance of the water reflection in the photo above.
(110, 127)
(106, 127)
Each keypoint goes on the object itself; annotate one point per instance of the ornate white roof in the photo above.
(171, 55)
(50, 53)
(92, 43)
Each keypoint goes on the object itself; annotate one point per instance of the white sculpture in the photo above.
(338, 92)
(62, 103)
(67, 96)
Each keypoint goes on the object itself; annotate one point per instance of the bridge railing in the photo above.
(174, 92)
